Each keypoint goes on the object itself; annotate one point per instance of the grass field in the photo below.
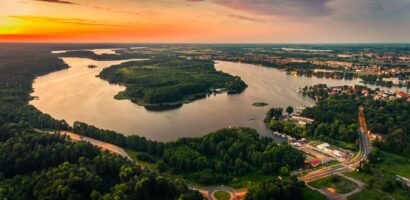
(369, 194)
(340, 184)
(389, 166)
(312, 195)
(222, 195)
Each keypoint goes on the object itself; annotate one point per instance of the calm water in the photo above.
(75, 94)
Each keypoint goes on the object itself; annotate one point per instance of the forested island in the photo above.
(166, 82)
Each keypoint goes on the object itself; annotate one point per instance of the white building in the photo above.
(323, 146)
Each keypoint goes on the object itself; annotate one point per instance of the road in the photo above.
(103, 145)
(207, 192)
(349, 165)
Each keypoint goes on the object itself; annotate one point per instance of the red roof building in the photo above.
(315, 162)
(401, 94)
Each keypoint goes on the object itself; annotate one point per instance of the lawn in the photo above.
(389, 166)
(248, 180)
(340, 184)
(312, 195)
(222, 195)
(369, 194)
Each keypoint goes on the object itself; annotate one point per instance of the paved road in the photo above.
(347, 166)
(103, 145)
(207, 192)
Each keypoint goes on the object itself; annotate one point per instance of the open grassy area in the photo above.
(312, 195)
(394, 164)
(389, 166)
(248, 180)
(340, 184)
(369, 194)
(222, 195)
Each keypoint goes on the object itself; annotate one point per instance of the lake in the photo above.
(76, 94)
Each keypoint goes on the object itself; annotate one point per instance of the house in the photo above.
(377, 137)
(302, 120)
(395, 81)
(365, 92)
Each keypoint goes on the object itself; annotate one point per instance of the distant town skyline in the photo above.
(206, 21)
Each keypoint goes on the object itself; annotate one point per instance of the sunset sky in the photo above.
(203, 21)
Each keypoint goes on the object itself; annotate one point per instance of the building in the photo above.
(395, 81)
(401, 94)
(314, 162)
(302, 120)
(328, 150)
(340, 154)
(323, 146)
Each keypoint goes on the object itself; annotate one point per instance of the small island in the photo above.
(260, 104)
(92, 66)
(163, 83)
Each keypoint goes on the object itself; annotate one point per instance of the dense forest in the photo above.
(335, 120)
(35, 165)
(218, 157)
(277, 189)
(19, 65)
(392, 120)
(165, 79)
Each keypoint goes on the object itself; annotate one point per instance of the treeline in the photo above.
(166, 79)
(134, 142)
(102, 57)
(218, 157)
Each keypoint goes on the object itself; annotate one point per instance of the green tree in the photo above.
(289, 110)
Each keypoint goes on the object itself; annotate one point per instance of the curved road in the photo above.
(347, 166)
(207, 192)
